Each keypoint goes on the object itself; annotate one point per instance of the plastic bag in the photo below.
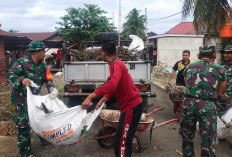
(227, 117)
(63, 125)
(222, 130)
(137, 43)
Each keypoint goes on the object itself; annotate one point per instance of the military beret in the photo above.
(228, 48)
(205, 49)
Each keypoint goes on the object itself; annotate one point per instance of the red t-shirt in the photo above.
(59, 54)
(121, 85)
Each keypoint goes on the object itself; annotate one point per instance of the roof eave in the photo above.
(177, 35)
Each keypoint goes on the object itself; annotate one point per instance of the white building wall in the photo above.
(215, 41)
(170, 48)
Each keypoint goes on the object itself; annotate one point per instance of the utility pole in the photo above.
(146, 21)
(119, 17)
(119, 24)
(113, 20)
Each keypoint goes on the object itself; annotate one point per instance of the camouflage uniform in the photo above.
(25, 68)
(225, 102)
(203, 78)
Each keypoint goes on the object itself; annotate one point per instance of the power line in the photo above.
(166, 16)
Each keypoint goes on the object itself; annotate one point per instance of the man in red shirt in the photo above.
(58, 58)
(122, 86)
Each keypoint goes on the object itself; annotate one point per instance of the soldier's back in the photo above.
(203, 78)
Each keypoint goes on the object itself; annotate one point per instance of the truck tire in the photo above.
(106, 36)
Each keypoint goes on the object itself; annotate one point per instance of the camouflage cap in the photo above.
(205, 49)
(35, 46)
(228, 48)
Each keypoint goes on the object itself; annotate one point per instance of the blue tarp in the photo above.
(169, 70)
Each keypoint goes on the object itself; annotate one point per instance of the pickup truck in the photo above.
(83, 77)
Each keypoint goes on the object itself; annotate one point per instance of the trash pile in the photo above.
(110, 115)
(176, 92)
(134, 52)
(114, 115)
(94, 55)
(89, 55)
(159, 70)
(7, 128)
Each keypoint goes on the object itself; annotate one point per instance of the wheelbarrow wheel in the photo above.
(106, 143)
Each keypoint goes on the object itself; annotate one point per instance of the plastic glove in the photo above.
(54, 93)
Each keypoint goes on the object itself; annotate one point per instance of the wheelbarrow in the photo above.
(177, 102)
(106, 135)
(177, 105)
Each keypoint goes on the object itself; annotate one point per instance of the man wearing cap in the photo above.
(25, 70)
(180, 67)
(205, 83)
(226, 100)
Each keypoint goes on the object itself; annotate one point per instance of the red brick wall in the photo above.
(2, 64)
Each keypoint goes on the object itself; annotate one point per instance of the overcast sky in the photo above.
(42, 15)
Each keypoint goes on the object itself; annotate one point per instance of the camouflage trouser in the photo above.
(21, 121)
(204, 112)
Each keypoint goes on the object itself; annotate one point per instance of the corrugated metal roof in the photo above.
(182, 28)
(4, 33)
(185, 28)
(38, 36)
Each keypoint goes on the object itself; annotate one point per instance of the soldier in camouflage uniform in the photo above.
(23, 71)
(205, 81)
(225, 102)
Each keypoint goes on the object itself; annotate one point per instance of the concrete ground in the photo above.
(165, 140)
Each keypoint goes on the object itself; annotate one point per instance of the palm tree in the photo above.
(134, 25)
(211, 15)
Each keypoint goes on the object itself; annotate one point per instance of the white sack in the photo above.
(227, 117)
(63, 126)
(222, 130)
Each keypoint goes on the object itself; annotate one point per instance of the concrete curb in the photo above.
(160, 84)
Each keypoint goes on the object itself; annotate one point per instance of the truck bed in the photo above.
(96, 72)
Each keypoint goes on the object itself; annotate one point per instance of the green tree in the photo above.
(82, 23)
(210, 15)
(151, 33)
(13, 31)
(134, 25)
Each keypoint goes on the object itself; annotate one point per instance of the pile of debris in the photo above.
(89, 55)
(160, 69)
(93, 54)
(114, 115)
(176, 92)
(7, 128)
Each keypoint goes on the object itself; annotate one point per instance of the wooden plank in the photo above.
(55, 70)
